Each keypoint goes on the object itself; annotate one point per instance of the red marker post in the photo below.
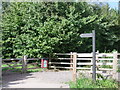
(44, 63)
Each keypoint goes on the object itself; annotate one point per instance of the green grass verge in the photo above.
(88, 83)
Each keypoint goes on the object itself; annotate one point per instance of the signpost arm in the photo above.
(94, 57)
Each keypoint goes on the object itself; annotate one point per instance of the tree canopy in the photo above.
(39, 29)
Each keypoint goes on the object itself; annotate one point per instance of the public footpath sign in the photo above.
(45, 63)
(86, 35)
(94, 54)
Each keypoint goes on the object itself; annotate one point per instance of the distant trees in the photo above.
(38, 29)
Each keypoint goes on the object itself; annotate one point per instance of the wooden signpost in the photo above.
(94, 54)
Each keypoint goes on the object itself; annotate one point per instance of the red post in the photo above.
(44, 63)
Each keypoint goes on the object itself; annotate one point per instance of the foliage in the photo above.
(88, 83)
(106, 66)
(39, 29)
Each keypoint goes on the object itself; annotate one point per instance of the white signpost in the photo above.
(86, 35)
(94, 54)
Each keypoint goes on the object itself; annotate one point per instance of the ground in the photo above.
(43, 79)
(37, 80)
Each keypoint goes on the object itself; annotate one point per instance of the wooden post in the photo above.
(24, 64)
(115, 65)
(94, 56)
(74, 66)
(71, 61)
(97, 61)
(0, 73)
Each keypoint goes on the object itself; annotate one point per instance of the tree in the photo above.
(38, 29)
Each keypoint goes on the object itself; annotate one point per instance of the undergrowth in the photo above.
(89, 83)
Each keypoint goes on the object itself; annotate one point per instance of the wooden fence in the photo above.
(23, 63)
(106, 63)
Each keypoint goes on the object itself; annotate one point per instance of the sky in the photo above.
(113, 5)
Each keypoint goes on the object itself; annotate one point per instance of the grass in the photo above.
(106, 66)
(118, 70)
(19, 68)
(16, 69)
(88, 83)
(34, 70)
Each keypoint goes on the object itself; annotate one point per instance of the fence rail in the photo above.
(73, 61)
(104, 61)
(23, 61)
(12, 59)
(62, 53)
(84, 59)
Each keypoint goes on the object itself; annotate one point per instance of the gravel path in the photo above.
(37, 80)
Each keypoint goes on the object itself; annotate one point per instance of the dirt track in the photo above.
(37, 80)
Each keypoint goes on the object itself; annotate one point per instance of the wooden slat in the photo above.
(118, 53)
(84, 63)
(105, 55)
(62, 53)
(33, 58)
(62, 58)
(84, 54)
(96, 63)
(60, 63)
(3, 62)
(71, 61)
(83, 68)
(90, 71)
(12, 59)
(60, 67)
(84, 59)
(105, 69)
(8, 63)
(104, 64)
